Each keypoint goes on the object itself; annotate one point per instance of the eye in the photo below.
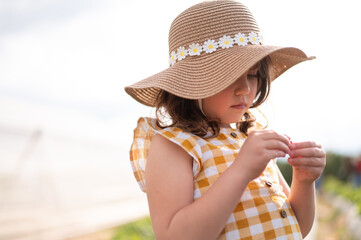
(252, 75)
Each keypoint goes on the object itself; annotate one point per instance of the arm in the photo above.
(308, 161)
(174, 214)
(169, 180)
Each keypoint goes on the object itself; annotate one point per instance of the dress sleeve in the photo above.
(143, 133)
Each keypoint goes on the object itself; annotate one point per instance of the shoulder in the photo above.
(165, 148)
(162, 150)
(166, 145)
(167, 139)
(169, 167)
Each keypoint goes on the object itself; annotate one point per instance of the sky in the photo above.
(64, 65)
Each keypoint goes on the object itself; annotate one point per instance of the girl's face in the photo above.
(230, 104)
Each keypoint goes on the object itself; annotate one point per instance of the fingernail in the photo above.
(292, 146)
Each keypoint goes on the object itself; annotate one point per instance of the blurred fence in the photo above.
(56, 187)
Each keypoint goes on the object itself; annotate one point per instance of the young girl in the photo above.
(203, 178)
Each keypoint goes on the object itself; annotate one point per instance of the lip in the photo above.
(242, 105)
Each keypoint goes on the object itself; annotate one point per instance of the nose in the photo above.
(242, 86)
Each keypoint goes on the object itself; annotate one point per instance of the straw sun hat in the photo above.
(212, 44)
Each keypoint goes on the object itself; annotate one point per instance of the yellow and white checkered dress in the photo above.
(263, 211)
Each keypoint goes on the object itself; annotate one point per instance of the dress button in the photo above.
(283, 214)
(268, 183)
(233, 134)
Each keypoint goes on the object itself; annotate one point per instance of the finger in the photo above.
(312, 172)
(287, 137)
(307, 152)
(307, 162)
(277, 145)
(307, 144)
(271, 154)
(270, 134)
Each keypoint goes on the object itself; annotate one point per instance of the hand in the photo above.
(308, 160)
(258, 149)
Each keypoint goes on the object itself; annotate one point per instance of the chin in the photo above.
(230, 121)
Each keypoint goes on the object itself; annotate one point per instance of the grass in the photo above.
(137, 230)
(331, 222)
(335, 186)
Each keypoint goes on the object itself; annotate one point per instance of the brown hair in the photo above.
(186, 114)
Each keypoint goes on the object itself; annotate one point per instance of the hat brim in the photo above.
(198, 77)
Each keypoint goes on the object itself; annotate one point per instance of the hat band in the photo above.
(210, 46)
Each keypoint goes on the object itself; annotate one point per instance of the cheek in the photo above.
(211, 104)
(254, 89)
(215, 104)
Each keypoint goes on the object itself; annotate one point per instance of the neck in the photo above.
(225, 125)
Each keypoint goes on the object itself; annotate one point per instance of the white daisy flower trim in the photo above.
(181, 53)
(241, 39)
(226, 42)
(254, 38)
(210, 46)
(172, 58)
(195, 49)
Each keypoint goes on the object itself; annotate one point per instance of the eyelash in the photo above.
(252, 75)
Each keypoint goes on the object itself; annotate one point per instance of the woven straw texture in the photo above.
(198, 77)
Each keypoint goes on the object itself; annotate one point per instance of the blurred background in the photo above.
(66, 123)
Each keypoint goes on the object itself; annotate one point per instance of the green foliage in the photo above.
(334, 164)
(286, 170)
(335, 186)
(138, 230)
